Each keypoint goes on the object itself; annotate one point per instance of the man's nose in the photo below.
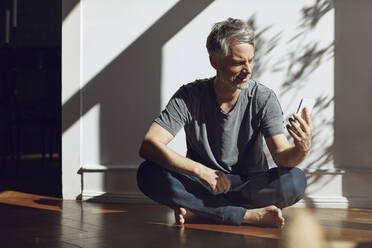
(247, 68)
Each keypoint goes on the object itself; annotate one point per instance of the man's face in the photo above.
(235, 69)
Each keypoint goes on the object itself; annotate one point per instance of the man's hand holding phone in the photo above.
(300, 127)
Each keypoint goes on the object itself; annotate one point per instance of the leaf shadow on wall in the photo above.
(303, 58)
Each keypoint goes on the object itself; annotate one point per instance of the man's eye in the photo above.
(239, 63)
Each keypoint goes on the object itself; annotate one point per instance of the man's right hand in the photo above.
(216, 180)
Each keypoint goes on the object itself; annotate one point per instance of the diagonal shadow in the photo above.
(128, 90)
(68, 6)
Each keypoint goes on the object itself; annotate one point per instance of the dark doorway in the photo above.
(30, 96)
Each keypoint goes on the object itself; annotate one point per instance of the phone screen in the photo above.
(306, 103)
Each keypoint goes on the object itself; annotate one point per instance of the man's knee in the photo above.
(156, 182)
(299, 182)
(145, 176)
(293, 186)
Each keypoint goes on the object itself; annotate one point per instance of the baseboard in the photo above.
(335, 202)
(336, 171)
(103, 168)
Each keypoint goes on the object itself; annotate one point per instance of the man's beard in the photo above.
(242, 87)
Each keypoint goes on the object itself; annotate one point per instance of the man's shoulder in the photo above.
(196, 88)
(260, 93)
(199, 84)
(258, 89)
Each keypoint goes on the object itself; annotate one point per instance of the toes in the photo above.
(280, 216)
(179, 215)
(181, 219)
(279, 213)
(277, 216)
(182, 211)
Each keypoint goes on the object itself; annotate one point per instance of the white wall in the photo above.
(136, 54)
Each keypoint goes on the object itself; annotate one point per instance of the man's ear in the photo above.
(213, 59)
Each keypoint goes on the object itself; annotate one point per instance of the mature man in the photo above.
(225, 174)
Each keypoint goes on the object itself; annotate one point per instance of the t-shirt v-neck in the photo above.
(218, 108)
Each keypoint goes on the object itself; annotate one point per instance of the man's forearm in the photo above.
(169, 159)
(290, 157)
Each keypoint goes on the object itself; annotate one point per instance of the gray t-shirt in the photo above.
(231, 142)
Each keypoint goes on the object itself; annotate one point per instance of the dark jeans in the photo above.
(281, 187)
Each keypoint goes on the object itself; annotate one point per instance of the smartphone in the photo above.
(306, 103)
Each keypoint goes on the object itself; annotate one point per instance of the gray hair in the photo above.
(223, 32)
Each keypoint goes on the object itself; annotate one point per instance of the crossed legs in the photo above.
(256, 200)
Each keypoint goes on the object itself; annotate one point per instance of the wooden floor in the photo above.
(29, 220)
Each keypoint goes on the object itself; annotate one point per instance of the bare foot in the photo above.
(182, 215)
(267, 216)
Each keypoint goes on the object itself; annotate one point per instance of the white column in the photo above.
(71, 71)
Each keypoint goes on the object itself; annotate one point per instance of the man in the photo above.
(225, 174)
